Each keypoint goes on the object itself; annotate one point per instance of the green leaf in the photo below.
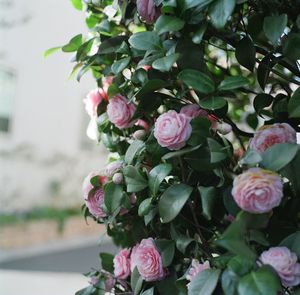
(107, 261)
(200, 131)
(172, 201)
(167, 23)
(111, 45)
(245, 53)
(279, 155)
(136, 281)
(213, 103)
(219, 12)
(187, 4)
(150, 86)
(294, 105)
(119, 65)
(230, 83)
(208, 197)
(262, 282)
(241, 265)
(113, 196)
(205, 282)
(262, 101)
(145, 41)
(180, 152)
(148, 291)
(197, 38)
(134, 150)
(51, 51)
(293, 243)
(251, 158)
(217, 151)
(291, 46)
(164, 64)
(182, 241)
(73, 44)
(197, 80)
(157, 175)
(77, 4)
(166, 249)
(263, 70)
(134, 179)
(274, 27)
(145, 207)
(229, 281)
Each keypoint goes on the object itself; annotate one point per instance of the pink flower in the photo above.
(147, 260)
(93, 99)
(172, 130)
(195, 268)
(147, 10)
(193, 111)
(94, 280)
(285, 264)
(106, 82)
(142, 123)
(257, 190)
(109, 283)
(120, 112)
(269, 135)
(113, 168)
(93, 199)
(122, 264)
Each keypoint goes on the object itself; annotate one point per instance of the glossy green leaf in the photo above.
(167, 23)
(135, 181)
(134, 150)
(51, 51)
(262, 101)
(217, 151)
(291, 46)
(148, 291)
(205, 282)
(145, 207)
(172, 201)
(111, 45)
(150, 86)
(231, 83)
(145, 41)
(157, 175)
(208, 197)
(113, 196)
(200, 131)
(279, 155)
(274, 27)
(77, 4)
(119, 65)
(219, 12)
(180, 152)
(293, 243)
(197, 80)
(107, 261)
(213, 103)
(294, 105)
(245, 53)
(136, 281)
(166, 249)
(73, 44)
(261, 282)
(164, 64)
(197, 38)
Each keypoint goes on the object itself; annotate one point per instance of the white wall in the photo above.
(44, 145)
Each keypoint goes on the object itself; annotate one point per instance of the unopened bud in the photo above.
(117, 178)
(139, 134)
(224, 128)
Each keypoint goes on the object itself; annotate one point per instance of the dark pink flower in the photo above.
(147, 10)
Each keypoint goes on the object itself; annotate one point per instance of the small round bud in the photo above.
(139, 134)
(224, 128)
(117, 178)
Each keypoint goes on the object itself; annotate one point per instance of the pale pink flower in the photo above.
(147, 10)
(148, 261)
(113, 168)
(122, 264)
(172, 130)
(284, 263)
(257, 190)
(109, 283)
(195, 268)
(269, 135)
(120, 112)
(86, 185)
(93, 99)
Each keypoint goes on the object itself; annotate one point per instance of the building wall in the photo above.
(44, 156)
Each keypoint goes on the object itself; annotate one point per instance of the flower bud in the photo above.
(224, 128)
(117, 178)
(147, 10)
(139, 134)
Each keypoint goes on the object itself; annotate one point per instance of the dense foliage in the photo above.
(201, 198)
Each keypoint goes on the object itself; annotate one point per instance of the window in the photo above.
(7, 93)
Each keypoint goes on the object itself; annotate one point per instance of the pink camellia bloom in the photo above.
(172, 130)
(147, 260)
(122, 264)
(93, 200)
(147, 10)
(269, 135)
(195, 268)
(109, 283)
(285, 264)
(120, 112)
(257, 190)
(193, 111)
(93, 99)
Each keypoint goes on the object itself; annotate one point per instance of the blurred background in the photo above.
(44, 153)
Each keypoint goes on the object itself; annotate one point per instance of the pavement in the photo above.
(55, 268)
